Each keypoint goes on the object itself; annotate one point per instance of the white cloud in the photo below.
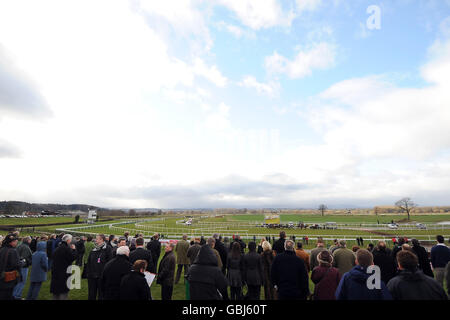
(259, 14)
(211, 73)
(219, 120)
(316, 56)
(308, 5)
(271, 89)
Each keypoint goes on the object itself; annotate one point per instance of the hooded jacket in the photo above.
(40, 263)
(353, 286)
(205, 278)
(415, 285)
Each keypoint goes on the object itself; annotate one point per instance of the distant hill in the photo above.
(17, 207)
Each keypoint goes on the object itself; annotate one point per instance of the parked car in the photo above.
(421, 226)
(393, 226)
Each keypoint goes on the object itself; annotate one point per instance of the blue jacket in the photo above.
(440, 256)
(353, 286)
(40, 263)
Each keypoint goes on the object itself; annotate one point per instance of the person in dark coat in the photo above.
(99, 256)
(440, 257)
(39, 270)
(142, 254)
(289, 275)
(252, 276)
(51, 246)
(382, 257)
(166, 272)
(220, 247)
(63, 256)
(266, 261)
(206, 279)
(134, 286)
(33, 244)
(353, 285)
(81, 249)
(411, 283)
(422, 255)
(113, 273)
(278, 246)
(235, 271)
(193, 251)
(154, 246)
(325, 277)
(122, 242)
(9, 261)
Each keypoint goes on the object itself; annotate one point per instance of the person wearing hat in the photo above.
(9, 267)
(325, 277)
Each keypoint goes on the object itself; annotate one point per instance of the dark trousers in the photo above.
(166, 292)
(94, 289)
(180, 267)
(6, 294)
(254, 292)
(236, 293)
(80, 260)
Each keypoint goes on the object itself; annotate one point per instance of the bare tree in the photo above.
(406, 204)
(322, 209)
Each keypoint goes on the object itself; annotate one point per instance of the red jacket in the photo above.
(326, 281)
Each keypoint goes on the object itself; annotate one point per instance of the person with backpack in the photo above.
(9, 267)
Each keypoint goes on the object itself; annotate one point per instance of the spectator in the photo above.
(422, 256)
(370, 247)
(355, 248)
(278, 246)
(181, 249)
(166, 272)
(411, 283)
(202, 241)
(335, 246)
(447, 276)
(353, 285)
(289, 275)
(122, 242)
(134, 286)
(440, 256)
(10, 264)
(235, 268)
(81, 249)
(325, 277)
(206, 280)
(397, 248)
(212, 242)
(38, 271)
(63, 256)
(313, 262)
(343, 258)
(253, 272)
(113, 273)
(220, 247)
(142, 254)
(132, 241)
(238, 239)
(267, 260)
(192, 252)
(382, 257)
(33, 244)
(51, 246)
(226, 244)
(99, 256)
(154, 246)
(25, 254)
(302, 254)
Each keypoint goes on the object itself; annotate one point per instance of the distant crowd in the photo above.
(219, 268)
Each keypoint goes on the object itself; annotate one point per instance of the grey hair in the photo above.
(342, 243)
(123, 250)
(215, 236)
(67, 237)
(289, 245)
(211, 241)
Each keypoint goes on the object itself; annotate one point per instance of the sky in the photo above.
(225, 103)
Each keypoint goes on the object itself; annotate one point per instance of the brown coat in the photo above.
(302, 254)
(181, 249)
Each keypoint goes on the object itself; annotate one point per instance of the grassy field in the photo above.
(36, 221)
